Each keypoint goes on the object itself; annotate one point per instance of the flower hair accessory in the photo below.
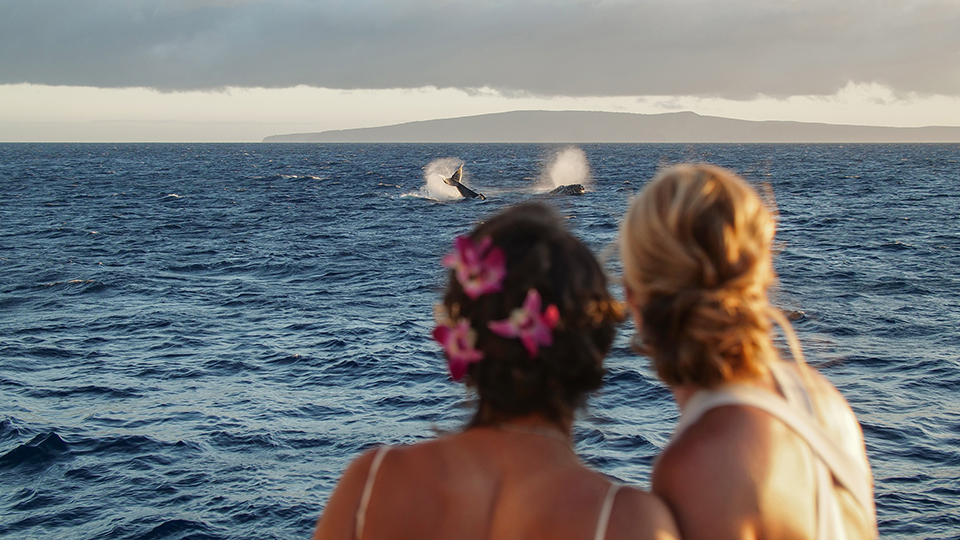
(459, 342)
(529, 324)
(480, 268)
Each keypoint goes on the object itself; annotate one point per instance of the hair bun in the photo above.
(696, 253)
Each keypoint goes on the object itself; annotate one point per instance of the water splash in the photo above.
(569, 166)
(433, 175)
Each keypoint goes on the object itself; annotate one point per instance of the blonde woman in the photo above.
(765, 448)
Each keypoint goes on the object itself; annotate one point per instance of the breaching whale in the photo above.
(464, 190)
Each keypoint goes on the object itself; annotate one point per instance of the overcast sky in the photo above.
(244, 69)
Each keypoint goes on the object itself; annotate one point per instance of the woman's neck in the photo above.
(534, 423)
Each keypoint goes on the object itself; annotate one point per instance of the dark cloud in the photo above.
(733, 48)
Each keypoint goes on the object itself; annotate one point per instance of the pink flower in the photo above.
(459, 342)
(527, 323)
(479, 268)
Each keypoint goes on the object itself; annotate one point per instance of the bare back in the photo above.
(486, 483)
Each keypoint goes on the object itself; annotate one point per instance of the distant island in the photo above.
(610, 127)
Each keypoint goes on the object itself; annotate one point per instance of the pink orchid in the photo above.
(527, 323)
(459, 342)
(479, 268)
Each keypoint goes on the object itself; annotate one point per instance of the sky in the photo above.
(240, 70)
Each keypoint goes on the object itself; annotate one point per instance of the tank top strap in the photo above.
(368, 490)
(847, 471)
(792, 387)
(604, 519)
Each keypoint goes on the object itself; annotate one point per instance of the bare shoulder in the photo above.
(400, 468)
(639, 515)
(707, 476)
(692, 465)
(715, 445)
(423, 461)
(569, 505)
(350, 486)
(339, 516)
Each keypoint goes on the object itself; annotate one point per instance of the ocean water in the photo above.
(196, 339)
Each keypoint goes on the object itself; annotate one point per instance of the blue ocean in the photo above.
(195, 339)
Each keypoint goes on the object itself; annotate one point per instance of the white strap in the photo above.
(605, 511)
(368, 489)
(849, 472)
(791, 386)
(827, 509)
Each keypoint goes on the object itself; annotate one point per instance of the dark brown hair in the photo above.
(542, 255)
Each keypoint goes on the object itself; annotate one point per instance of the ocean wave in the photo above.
(38, 452)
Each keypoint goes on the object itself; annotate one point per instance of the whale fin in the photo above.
(465, 192)
(455, 179)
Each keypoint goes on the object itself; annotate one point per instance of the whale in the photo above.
(466, 192)
(569, 189)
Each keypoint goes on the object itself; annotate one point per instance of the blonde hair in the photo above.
(696, 250)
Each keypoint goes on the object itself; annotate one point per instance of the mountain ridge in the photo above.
(613, 127)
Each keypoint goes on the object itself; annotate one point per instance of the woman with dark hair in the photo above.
(764, 448)
(526, 321)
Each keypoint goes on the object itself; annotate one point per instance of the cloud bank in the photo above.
(732, 49)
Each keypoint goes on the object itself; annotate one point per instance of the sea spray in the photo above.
(433, 175)
(569, 166)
